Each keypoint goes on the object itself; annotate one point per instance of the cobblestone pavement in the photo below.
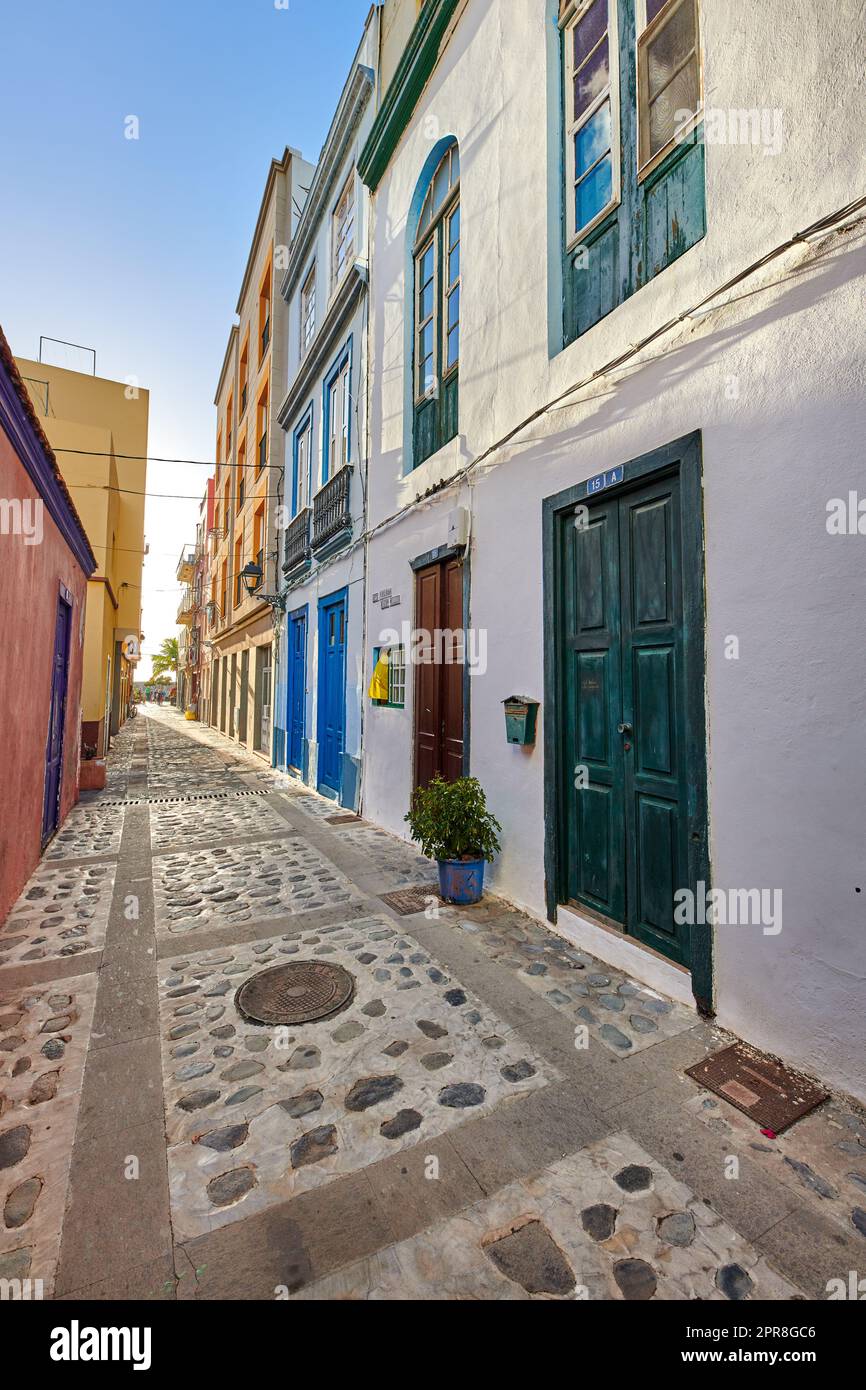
(487, 1112)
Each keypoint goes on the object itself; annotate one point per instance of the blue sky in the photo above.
(137, 247)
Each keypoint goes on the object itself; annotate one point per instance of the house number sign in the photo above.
(603, 480)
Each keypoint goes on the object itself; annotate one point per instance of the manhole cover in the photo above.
(342, 820)
(300, 992)
(762, 1088)
(408, 901)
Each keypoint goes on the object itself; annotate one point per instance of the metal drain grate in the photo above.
(342, 820)
(173, 800)
(300, 992)
(407, 901)
(762, 1088)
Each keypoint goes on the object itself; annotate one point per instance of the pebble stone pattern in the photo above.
(226, 886)
(615, 1010)
(88, 834)
(254, 1115)
(608, 1222)
(212, 822)
(822, 1157)
(399, 862)
(43, 1042)
(61, 912)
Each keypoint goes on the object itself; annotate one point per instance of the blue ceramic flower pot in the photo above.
(461, 881)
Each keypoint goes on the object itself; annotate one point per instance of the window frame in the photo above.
(394, 687)
(431, 392)
(240, 471)
(435, 233)
(262, 416)
(342, 367)
(244, 377)
(304, 428)
(568, 23)
(338, 275)
(308, 320)
(645, 35)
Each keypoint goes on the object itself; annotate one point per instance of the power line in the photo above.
(149, 458)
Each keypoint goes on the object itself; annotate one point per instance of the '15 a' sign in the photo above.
(603, 480)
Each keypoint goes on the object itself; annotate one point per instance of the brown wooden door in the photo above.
(439, 672)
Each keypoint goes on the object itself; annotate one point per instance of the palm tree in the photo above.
(166, 657)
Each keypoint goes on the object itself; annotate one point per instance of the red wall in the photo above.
(30, 579)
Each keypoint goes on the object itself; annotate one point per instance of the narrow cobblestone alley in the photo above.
(440, 1136)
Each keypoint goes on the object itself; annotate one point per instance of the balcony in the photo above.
(186, 566)
(331, 515)
(296, 554)
(186, 607)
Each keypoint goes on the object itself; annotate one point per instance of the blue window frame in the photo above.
(337, 398)
(302, 462)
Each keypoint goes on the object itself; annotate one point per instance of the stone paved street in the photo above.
(489, 1113)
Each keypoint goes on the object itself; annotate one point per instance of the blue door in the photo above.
(332, 691)
(297, 689)
(56, 717)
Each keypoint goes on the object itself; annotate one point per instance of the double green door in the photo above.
(622, 632)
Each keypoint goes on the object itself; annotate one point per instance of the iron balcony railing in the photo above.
(296, 551)
(331, 513)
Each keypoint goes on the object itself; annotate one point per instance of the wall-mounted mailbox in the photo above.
(521, 714)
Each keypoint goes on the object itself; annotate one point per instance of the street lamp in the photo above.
(252, 576)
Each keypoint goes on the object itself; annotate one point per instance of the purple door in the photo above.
(57, 717)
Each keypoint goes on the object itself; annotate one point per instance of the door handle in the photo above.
(625, 729)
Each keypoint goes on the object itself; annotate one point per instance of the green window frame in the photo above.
(436, 295)
(639, 63)
(396, 677)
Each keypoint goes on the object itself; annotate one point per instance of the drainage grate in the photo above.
(172, 800)
(407, 901)
(300, 992)
(342, 820)
(762, 1088)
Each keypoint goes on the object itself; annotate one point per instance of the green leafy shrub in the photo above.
(450, 820)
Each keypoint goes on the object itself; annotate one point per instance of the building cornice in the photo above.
(277, 166)
(349, 292)
(29, 442)
(353, 103)
(413, 72)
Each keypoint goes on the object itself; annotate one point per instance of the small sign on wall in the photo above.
(603, 480)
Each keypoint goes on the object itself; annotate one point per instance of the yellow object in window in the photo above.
(379, 683)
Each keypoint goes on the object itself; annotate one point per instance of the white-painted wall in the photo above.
(774, 380)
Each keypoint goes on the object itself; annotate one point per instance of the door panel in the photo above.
(652, 659)
(439, 673)
(621, 653)
(428, 683)
(592, 791)
(453, 653)
(56, 721)
(297, 690)
(244, 696)
(332, 691)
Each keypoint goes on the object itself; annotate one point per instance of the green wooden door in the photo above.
(624, 798)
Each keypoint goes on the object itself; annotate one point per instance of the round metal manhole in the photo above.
(300, 992)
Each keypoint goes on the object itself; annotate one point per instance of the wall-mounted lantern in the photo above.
(521, 714)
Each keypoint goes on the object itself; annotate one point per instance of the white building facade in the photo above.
(319, 704)
(616, 422)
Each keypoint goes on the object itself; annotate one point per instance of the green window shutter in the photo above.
(657, 220)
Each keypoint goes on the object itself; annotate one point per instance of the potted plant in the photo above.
(91, 773)
(452, 824)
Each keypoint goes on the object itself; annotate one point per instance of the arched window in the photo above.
(436, 345)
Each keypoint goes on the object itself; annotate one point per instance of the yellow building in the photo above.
(250, 454)
(98, 430)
